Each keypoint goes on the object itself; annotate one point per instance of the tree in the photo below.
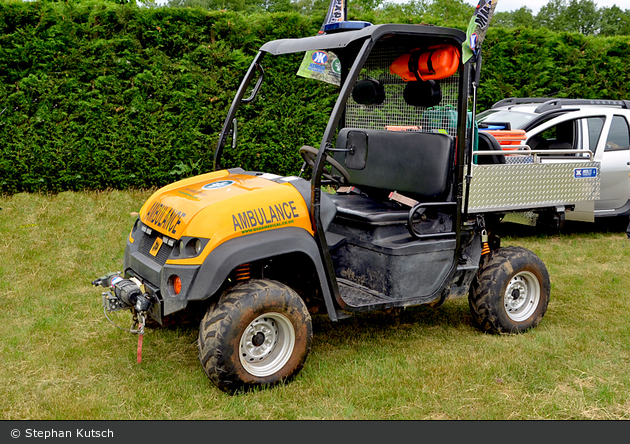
(614, 21)
(248, 6)
(454, 10)
(551, 16)
(521, 18)
(310, 7)
(582, 16)
(573, 16)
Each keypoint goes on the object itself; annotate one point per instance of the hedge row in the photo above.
(95, 95)
(541, 63)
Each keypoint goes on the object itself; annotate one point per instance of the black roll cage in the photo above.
(353, 49)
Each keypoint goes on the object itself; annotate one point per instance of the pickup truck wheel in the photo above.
(257, 334)
(511, 291)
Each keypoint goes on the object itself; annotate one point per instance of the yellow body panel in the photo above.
(220, 206)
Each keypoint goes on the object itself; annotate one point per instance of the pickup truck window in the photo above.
(619, 135)
(594, 127)
(560, 136)
(570, 134)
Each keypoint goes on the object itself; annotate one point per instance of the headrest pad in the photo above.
(423, 93)
(368, 92)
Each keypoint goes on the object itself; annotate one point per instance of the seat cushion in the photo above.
(368, 210)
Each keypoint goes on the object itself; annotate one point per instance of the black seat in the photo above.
(370, 210)
(415, 164)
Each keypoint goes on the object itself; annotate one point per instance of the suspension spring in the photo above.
(243, 272)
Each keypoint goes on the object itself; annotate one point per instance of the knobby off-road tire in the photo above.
(510, 293)
(257, 334)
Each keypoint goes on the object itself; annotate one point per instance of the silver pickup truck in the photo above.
(579, 125)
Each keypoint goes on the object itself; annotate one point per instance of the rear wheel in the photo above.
(257, 334)
(511, 291)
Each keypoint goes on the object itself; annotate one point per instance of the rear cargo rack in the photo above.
(524, 183)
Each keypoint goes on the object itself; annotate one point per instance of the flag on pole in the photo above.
(478, 27)
(337, 12)
(324, 65)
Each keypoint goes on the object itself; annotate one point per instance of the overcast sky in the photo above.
(510, 5)
(535, 5)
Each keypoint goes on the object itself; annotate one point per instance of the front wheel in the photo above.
(511, 291)
(257, 334)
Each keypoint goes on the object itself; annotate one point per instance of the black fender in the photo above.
(206, 280)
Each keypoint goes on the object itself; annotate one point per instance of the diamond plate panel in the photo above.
(522, 217)
(510, 187)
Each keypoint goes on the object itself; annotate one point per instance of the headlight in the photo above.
(188, 247)
(193, 247)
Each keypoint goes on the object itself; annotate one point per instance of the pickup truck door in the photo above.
(589, 130)
(578, 133)
(613, 151)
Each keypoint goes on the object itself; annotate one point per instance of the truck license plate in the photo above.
(156, 246)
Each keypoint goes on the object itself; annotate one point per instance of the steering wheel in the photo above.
(309, 154)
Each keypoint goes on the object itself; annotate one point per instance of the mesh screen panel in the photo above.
(394, 111)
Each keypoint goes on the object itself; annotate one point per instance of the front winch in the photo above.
(126, 294)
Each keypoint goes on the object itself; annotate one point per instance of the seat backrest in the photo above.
(415, 163)
(487, 142)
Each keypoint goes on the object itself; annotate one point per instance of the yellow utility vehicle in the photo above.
(408, 218)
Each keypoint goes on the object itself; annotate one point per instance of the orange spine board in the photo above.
(437, 62)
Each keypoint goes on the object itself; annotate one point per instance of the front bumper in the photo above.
(154, 273)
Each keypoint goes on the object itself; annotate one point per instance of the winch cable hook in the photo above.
(140, 320)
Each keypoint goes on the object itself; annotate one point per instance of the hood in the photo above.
(224, 204)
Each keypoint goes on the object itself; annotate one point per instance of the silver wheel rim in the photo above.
(266, 344)
(522, 296)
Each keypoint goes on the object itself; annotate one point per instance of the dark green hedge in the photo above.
(541, 63)
(96, 95)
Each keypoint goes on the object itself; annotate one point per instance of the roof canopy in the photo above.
(343, 39)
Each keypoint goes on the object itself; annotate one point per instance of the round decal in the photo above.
(320, 57)
(336, 66)
(220, 184)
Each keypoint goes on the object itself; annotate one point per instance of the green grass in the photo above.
(61, 359)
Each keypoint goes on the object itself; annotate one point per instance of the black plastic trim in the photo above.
(229, 255)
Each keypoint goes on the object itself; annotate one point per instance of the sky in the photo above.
(512, 5)
(535, 5)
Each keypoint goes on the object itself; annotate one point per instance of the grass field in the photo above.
(61, 359)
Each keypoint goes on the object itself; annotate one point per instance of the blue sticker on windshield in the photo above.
(320, 57)
(583, 173)
(215, 185)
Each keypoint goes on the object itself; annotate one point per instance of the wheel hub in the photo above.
(518, 293)
(522, 296)
(267, 344)
(258, 339)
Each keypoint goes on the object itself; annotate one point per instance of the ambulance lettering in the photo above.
(163, 216)
(272, 216)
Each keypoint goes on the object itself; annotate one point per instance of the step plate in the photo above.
(357, 296)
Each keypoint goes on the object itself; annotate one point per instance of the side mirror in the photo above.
(356, 150)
